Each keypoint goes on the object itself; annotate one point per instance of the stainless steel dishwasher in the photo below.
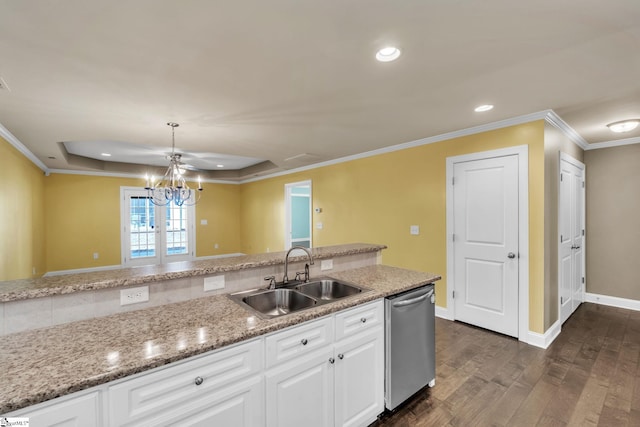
(409, 344)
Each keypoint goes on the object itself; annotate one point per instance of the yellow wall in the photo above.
(21, 216)
(83, 217)
(376, 199)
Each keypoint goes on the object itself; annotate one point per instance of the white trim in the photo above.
(544, 340)
(116, 267)
(547, 115)
(443, 313)
(82, 270)
(200, 258)
(15, 142)
(629, 304)
(617, 143)
(522, 151)
(129, 175)
(555, 120)
(288, 241)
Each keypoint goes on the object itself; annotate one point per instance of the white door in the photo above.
(298, 215)
(155, 234)
(486, 262)
(571, 229)
(359, 380)
(300, 393)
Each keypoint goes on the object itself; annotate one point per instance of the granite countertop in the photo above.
(13, 290)
(42, 364)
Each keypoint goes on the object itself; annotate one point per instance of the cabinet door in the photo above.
(81, 411)
(359, 379)
(300, 393)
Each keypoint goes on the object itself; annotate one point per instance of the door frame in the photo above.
(287, 212)
(522, 151)
(577, 163)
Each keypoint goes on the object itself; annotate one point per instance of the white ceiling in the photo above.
(297, 79)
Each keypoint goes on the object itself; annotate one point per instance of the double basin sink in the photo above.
(295, 297)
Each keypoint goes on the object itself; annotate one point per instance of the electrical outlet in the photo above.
(326, 264)
(96, 255)
(134, 295)
(414, 230)
(213, 283)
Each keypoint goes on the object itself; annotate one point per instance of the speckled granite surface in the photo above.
(46, 363)
(34, 288)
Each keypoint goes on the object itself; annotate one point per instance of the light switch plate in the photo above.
(213, 283)
(326, 264)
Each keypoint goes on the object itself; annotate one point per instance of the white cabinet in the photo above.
(359, 379)
(300, 393)
(213, 388)
(325, 372)
(77, 411)
(337, 382)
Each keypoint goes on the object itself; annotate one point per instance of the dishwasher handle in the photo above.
(413, 300)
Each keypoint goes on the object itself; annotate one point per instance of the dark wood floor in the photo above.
(589, 376)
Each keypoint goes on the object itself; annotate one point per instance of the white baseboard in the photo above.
(443, 313)
(115, 267)
(81, 270)
(630, 304)
(219, 256)
(544, 340)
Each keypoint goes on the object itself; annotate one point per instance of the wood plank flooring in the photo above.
(589, 376)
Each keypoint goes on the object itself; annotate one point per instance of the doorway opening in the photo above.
(298, 212)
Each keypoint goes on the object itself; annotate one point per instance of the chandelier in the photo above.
(173, 187)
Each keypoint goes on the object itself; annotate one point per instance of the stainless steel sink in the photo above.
(328, 289)
(294, 297)
(278, 302)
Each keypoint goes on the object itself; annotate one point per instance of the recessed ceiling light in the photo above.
(105, 154)
(482, 108)
(220, 166)
(388, 54)
(624, 126)
(51, 157)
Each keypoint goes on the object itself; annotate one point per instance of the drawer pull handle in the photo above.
(341, 356)
(363, 320)
(199, 380)
(304, 341)
(332, 360)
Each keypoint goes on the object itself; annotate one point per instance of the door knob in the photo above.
(511, 255)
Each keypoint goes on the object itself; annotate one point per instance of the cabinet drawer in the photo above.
(359, 319)
(298, 340)
(137, 399)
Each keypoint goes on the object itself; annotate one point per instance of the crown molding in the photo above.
(548, 115)
(616, 143)
(553, 119)
(126, 175)
(540, 115)
(11, 139)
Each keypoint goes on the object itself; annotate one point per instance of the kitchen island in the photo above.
(42, 364)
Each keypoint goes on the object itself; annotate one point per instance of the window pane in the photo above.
(142, 226)
(176, 230)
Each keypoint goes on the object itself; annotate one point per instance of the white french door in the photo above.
(571, 230)
(155, 234)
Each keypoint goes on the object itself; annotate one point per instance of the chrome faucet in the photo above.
(285, 278)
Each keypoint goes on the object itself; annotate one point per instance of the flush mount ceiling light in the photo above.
(483, 108)
(173, 187)
(388, 54)
(624, 126)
